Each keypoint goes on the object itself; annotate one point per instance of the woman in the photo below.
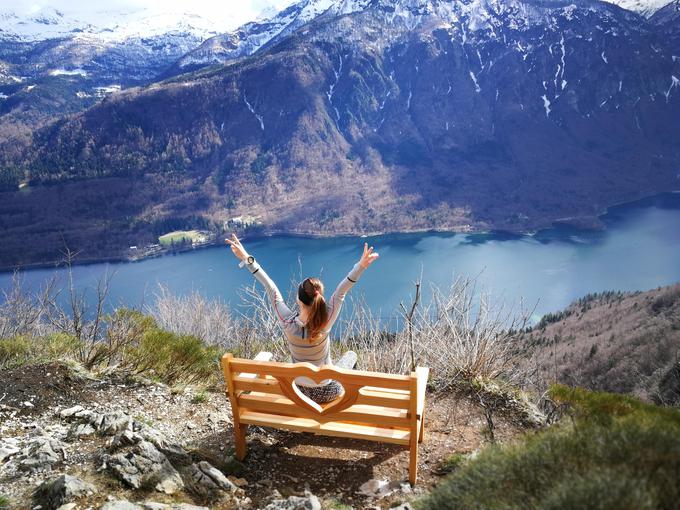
(308, 330)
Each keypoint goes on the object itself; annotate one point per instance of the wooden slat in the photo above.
(378, 397)
(397, 436)
(258, 384)
(274, 404)
(344, 376)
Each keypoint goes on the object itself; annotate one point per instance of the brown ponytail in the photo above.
(310, 293)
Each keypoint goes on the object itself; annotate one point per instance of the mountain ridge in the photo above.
(462, 117)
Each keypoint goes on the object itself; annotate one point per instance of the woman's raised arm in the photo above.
(284, 314)
(338, 297)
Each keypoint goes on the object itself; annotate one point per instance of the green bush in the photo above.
(4, 502)
(616, 453)
(173, 358)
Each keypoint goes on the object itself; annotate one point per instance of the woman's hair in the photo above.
(310, 292)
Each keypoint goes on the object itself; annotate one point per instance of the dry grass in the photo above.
(458, 333)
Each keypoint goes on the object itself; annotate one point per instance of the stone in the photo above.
(145, 466)
(308, 502)
(80, 429)
(68, 506)
(71, 411)
(378, 488)
(173, 451)
(41, 453)
(113, 423)
(8, 448)
(217, 418)
(177, 506)
(57, 491)
(209, 482)
(121, 504)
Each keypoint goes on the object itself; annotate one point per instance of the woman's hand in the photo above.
(368, 257)
(237, 248)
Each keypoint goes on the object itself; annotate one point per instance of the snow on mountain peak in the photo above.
(644, 7)
(107, 25)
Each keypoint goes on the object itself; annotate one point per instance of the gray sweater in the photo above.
(301, 347)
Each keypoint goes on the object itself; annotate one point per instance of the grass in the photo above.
(151, 351)
(180, 236)
(199, 397)
(4, 502)
(21, 350)
(614, 453)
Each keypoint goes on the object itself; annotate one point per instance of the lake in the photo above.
(639, 250)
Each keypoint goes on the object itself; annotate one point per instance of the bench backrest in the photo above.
(369, 397)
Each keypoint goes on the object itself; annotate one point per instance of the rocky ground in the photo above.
(70, 439)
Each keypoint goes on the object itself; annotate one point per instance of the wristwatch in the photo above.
(248, 260)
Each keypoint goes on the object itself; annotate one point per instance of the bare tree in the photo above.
(21, 312)
(79, 319)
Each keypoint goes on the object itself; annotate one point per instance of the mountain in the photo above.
(252, 36)
(644, 7)
(376, 116)
(667, 19)
(625, 342)
(54, 63)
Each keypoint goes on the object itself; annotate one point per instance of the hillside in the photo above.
(613, 341)
(396, 116)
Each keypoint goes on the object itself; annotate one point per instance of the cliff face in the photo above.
(398, 115)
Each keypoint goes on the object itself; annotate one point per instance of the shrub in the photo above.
(4, 502)
(628, 460)
(173, 358)
(20, 350)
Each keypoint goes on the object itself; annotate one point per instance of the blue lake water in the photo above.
(639, 250)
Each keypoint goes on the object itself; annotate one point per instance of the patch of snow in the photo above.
(29, 88)
(252, 110)
(604, 57)
(382, 104)
(674, 83)
(408, 101)
(474, 80)
(3, 96)
(546, 105)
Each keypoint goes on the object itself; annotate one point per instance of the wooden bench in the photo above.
(375, 406)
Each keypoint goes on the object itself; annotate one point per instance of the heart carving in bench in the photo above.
(346, 399)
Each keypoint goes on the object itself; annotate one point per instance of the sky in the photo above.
(237, 11)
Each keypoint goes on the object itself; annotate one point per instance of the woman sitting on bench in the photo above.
(308, 330)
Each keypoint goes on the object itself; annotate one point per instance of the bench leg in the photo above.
(240, 440)
(421, 434)
(413, 464)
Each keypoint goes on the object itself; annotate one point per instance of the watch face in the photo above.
(251, 259)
